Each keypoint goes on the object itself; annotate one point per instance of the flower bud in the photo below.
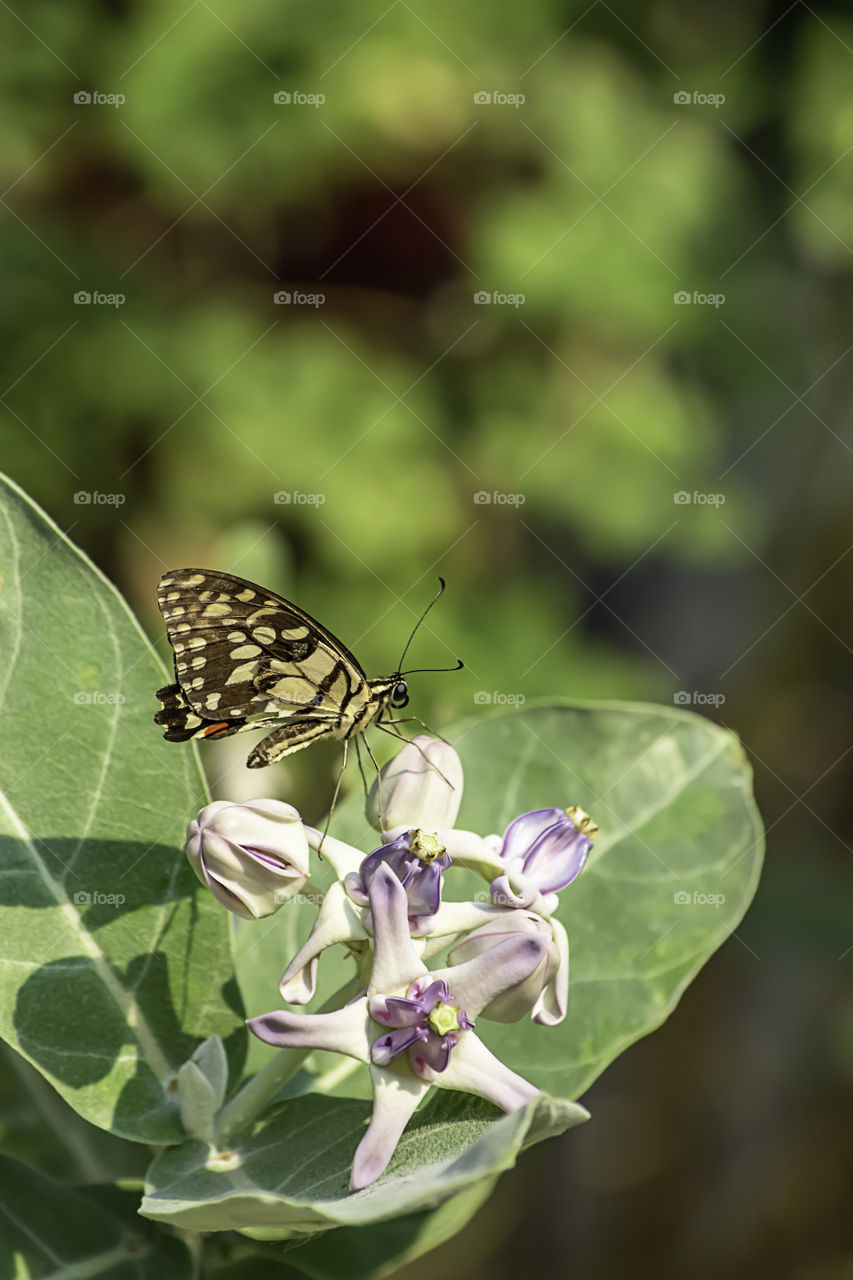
(517, 1002)
(420, 787)
(548, 847)
(253, 857)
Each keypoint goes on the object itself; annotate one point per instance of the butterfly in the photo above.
(247, 659)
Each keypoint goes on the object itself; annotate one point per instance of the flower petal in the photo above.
(392, 1043)
(396, 1094)
(396, 964)
(457, 917)
(550, 1008)
(346, 1030)
(395, 1011)
(479, 981)
(525, 830)
(467, 849)
(474, 1069)
(338, 920)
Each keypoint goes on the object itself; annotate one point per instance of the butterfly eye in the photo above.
(400, 696)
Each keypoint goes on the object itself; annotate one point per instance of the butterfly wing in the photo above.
(245, 658)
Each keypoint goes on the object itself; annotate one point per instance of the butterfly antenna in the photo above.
(433, 601)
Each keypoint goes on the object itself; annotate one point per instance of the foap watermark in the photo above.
(85, 498)
(297, 98)
(498, 699)
(293, 298)
(695, 98)
(307, 899)
(94, 898)
(288, 497)
(682, 498)
(683, 298)
(85, 298)
(485, 298)
(497, 98)
(482, 498)
(83, 698)
(696, 698)
(85, 98)
(696, 899)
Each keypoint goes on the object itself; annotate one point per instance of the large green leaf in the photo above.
(47, 1229)
(114, 962)
(290, 1172)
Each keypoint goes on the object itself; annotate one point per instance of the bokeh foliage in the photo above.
(399, 198)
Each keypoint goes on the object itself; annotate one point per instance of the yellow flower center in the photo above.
(426, 845)
(444, 1018)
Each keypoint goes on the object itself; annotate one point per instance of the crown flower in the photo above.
(431, 1040)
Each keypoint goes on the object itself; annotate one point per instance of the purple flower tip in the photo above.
(548, 846)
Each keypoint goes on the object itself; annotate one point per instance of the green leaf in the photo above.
(47, 1229)
(114, 962)
(291, 1171)
(368, 1253)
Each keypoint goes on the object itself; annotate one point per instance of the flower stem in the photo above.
(253, 1097)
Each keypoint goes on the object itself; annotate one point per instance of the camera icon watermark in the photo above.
(84, 698)
(498, 699)
(687, 98)
(696, 899)
(296, 98)
(498, 99)
(288, 497)
(85, 298)
(482, 498)
(682, 498)
(288, 298)
(485, 298)
(683, 298)
(94, 898)
(697, 698)
(85, 98)
(85, 498)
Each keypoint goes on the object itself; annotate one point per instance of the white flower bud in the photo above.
(253, 857)
(420, 787)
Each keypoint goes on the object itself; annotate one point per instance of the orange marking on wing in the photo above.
(213, 729)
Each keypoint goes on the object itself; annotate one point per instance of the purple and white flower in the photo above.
(437, 1045)
(542, 852)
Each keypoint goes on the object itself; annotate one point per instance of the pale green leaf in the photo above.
(114, 962)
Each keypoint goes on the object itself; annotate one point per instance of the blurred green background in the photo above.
(585, 354)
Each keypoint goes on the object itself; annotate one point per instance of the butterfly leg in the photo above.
(383, 726)
(335, 796)
(422, 723)
(369, 751)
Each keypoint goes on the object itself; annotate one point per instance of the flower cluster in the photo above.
(411, 1026)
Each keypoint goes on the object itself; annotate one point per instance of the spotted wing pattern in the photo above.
(245, 658)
